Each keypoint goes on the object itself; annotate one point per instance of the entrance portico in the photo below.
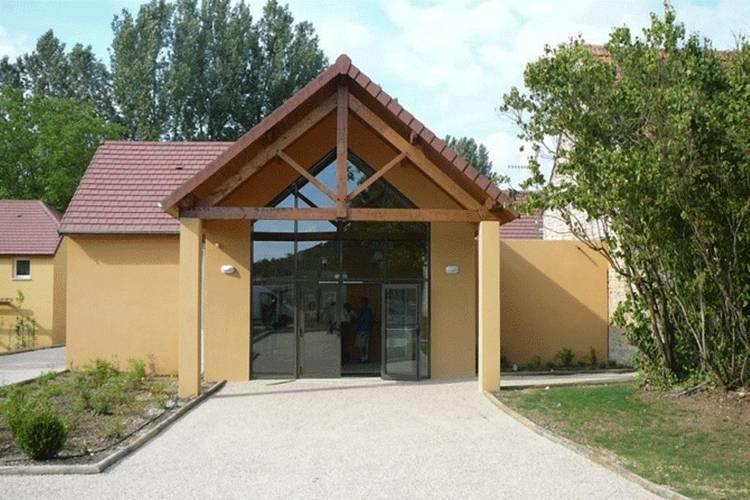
(338, 175)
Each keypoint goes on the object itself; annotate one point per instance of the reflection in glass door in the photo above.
(320, 330)
(401, 327)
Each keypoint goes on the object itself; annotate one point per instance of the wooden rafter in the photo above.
(307, 175)
(377, 175)
(354, 214)
(263, 157)
(342, 148)
(414, 154)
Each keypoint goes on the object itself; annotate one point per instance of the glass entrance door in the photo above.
(319, 326)
(401, 314)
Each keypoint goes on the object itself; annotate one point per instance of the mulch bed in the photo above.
(93, 436)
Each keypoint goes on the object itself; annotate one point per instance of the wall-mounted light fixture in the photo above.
(451, 269)
(227, 269)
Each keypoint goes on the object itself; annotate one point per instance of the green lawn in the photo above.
(699, 446)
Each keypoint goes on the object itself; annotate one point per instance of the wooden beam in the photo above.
(414, 154)
(377, 175)
(307, 175)
(354, 214)
(342, 147)
(265, 155)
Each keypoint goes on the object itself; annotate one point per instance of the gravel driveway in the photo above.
(344, 438)
(27, 365)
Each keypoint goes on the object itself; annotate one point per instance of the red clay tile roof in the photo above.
(120, 191)
(28, 227)
(526, 227)
(342, 66)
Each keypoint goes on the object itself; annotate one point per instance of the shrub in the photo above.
(16, 407)
(565, 357)
(41, 434)
(106, 398)
(136, 371)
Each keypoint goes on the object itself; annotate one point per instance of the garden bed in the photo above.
(698, 445)
(103, 410)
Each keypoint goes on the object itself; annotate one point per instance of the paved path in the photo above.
(345, 438)
(27, 365)
(522, 380)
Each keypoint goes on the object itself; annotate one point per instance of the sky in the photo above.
(448, 62)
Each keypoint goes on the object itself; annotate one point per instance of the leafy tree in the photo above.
(205, 70)
(139, 65)
(477, 155)
(46, 144)
(10, 75)
(650, 147)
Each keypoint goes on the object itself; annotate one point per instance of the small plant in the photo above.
(592, 359)
(25, 326)
(114, 427)
(565, 357)
(536, 362)
(136, 371)
(41, 434)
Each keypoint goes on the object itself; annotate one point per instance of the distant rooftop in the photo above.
(28, 227)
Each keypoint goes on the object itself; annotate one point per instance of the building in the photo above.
(32, 263)
(338, 237)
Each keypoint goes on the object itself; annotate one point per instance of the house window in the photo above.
(22, 269)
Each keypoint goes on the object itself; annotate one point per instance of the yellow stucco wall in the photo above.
(553, 295)
(226, 320)
(43, 300)
(122, 299)
(453, 300)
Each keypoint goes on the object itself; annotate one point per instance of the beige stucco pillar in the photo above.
(189, 311)
(489, 305)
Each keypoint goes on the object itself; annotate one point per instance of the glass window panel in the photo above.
(273, 336)
(318, 260)
(363, 259)
(316, 226)
(314, 196)
(273, 226)
(407, 259)
(273, 260)
(401, 330)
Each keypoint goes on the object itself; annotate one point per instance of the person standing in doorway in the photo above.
(365, 321)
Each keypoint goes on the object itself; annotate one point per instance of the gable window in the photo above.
(22, 269)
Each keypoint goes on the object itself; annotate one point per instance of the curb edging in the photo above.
(586, 452)
(110, 460)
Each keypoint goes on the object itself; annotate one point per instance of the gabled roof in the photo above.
(389, 109)
(28, 227)
(120, 190)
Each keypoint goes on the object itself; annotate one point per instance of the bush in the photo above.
(565, 357)
(40, 434)
(16, 407)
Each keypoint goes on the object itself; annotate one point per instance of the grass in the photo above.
(98, 404)
(699, 446)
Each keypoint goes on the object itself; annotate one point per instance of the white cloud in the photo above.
(11, 46)
(450, 62)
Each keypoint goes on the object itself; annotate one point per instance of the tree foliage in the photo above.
(477, 155)
(46, 144)
(652, 169)
(180, 70)
(206, 70)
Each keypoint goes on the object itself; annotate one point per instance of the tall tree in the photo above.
(46, 144)
(476, 154)
(139, 65)
(205, 70)
(51, 71)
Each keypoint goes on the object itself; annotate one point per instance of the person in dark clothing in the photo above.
(365, 321)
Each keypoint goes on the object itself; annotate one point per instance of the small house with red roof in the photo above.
(32, 275)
